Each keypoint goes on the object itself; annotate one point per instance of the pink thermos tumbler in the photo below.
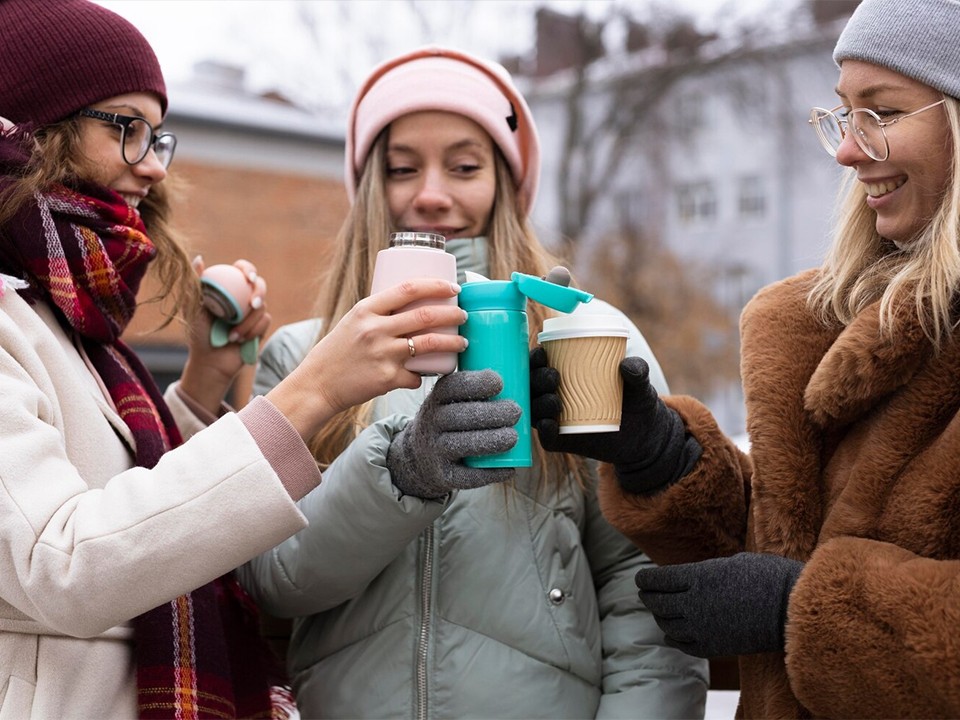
(417, 255)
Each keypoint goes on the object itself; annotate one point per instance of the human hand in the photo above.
(212, 367)
(650, 451)
(545, 405)
(457, 420)
(230, 294)
(724, 606)
(363, 355)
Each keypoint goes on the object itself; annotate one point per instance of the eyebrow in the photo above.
(460, 145)
(124, 109)
(872, 90)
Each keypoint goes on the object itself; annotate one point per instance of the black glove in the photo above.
(726, 606)
(544, 380)
(650, 451)
(456, 420)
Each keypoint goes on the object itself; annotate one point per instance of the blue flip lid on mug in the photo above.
(512, 294)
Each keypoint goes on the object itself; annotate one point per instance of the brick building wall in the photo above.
(285, 223)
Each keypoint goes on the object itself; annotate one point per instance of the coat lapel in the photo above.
(73, 350)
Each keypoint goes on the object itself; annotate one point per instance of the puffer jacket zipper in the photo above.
(426, 610)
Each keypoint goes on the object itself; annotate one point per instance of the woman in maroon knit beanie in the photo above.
(118, 538)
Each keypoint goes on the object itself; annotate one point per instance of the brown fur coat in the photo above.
(854, 469)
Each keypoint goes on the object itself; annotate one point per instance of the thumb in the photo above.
(549, 431)
(640, 398)
(466, 385)
(635, 371)
(558, 275)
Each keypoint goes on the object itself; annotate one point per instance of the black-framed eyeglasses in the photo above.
(865, 124)
(137, 137)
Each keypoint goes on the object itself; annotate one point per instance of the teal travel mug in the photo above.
(498, 338)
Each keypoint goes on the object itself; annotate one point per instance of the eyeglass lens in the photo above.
(864, 125)
(137, 139)
(867, 132)
(829, 130)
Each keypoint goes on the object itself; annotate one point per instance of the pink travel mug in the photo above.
(417, 255)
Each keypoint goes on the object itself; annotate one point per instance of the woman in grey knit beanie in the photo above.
(829, 560)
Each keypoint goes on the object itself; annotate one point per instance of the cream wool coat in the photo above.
(855, 448)
(88, 541)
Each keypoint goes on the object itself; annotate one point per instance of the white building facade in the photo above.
(721, 166)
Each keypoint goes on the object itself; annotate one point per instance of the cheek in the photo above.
(932, 181)
(101, 163)
(96, 172)
(398, 201)
(939, 159)
(482, 198)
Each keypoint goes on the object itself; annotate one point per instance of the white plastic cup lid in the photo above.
(583, 325)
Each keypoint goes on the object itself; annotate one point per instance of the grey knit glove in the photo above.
(456, 420)
(651, 450)
(725, 606)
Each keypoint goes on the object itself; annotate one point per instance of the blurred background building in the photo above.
(679, 176)
(258, 178)
(682, 176)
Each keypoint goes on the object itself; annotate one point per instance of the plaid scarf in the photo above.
(86, 251)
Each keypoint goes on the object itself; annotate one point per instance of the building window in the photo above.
(696, 202)
(689, 113)
(629, 209)
(753, 197)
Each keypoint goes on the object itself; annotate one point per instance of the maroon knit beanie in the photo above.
(60, 56)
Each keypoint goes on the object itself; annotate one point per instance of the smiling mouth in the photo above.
(880, 189)
(445, 231)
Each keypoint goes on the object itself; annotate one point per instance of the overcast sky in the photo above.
(270, 39)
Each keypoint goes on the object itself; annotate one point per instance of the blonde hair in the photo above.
(55, 160)
(862, 267)
(513, 246)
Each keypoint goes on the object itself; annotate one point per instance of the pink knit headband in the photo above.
(434, 78)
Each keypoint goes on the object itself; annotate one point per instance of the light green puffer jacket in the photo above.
(494, 603)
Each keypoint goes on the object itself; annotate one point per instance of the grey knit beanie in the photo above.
(916, 38)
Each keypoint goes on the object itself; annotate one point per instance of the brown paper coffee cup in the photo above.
(587, 350)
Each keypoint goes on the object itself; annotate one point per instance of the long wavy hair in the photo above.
(56, 159)
(513, 246)
(862, 267)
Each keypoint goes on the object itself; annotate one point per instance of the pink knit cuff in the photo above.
(282, 446)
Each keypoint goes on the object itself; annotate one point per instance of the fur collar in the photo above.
(862, 366)
(805, 383)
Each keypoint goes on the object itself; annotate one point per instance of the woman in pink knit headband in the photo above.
(423, 587)
(117, 541)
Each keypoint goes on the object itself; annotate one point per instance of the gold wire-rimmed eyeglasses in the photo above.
(865, 124)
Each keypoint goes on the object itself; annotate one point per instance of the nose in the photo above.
(433, 193)
(150, 168)
(849, 153)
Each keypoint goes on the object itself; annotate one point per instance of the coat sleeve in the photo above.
(80, 556)
(872, 632)
(642, 677)
(358, 523)
(704, 515)
(701, 516)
